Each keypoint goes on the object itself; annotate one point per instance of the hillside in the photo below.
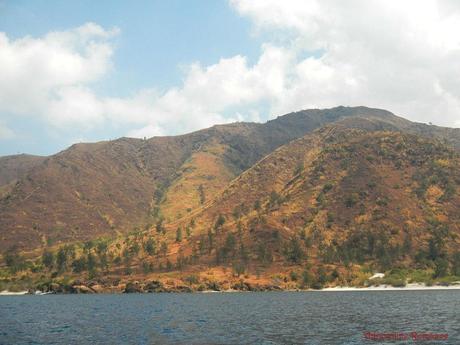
(16, 166)
(329, 208)
(127, 185)
(120, 186)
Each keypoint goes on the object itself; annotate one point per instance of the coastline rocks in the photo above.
(82, 289)
(154, 286)
(213, 286)
(182, 288)
(133, 287)
(242, 286)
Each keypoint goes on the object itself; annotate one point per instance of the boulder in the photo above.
(214, 286)
(154, 286)
(133, 287)
(82, 289)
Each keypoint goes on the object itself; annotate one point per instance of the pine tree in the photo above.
(179, 234)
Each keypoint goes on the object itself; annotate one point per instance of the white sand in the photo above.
(408, 287)
(10, 293)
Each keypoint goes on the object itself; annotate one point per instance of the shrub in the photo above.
(79, 265)
(48, 259)
(294, 276)
(179, 234)
(150, 247)
(192, 279)
(220, 221)
(441, 268)
(293, 251)
(351, 200)
(307, 278)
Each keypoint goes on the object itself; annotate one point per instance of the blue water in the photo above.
(228, 318)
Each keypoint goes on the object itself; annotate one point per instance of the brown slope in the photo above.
(99, 189)
(355, 186)
(16, 166)
(236, 147)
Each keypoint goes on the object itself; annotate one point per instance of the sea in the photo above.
(313, 317)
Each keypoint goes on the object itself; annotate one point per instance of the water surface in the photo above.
(228, 318)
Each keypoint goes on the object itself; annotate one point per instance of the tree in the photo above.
(101, 250)
(236, 212)
(179, 234)
(127, 260)
(456, 264)
(135, 248)
(201, 194)
(322, 277)
(307, 278)
(275, 199)
(264, 253)
(79, 265)
(299, 168)
(91, 264)
(441, 268)
(351, 200)
(407, 244)
(164, 248)
(149, 246)
(293, 276)
(48, 259)
(210, 240)
(14, 260)
(61, 259)
(159, 226)
(293, 251)
(257, 205)
(101, 247)
(239, 268)
(146, 267)
(87, 246)
(229, 246)
(303, 234)
(219, 222)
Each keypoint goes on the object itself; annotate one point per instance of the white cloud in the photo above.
(402, 56)
(6, 133)
(34, 70)
(52, 77)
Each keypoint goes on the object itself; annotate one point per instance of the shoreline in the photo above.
(408, 287)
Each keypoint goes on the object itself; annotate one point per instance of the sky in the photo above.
(97, 70)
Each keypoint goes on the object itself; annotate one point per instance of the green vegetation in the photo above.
(201, 194)
(293, 250)
(179, 234)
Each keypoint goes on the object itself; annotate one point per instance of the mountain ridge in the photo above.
(113, 187)
(361, 191)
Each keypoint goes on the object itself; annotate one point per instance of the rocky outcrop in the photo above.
(133, 287)
(82, 289)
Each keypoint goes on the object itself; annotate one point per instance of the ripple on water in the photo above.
(246, 318)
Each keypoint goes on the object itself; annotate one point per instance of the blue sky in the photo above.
(77, 71)
(157, 38)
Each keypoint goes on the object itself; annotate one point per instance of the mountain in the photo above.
(343, 186)
(15, 167)
(328, 208)
(116, 187)
(311, 198)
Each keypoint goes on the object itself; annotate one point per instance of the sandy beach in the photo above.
(408, 287)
